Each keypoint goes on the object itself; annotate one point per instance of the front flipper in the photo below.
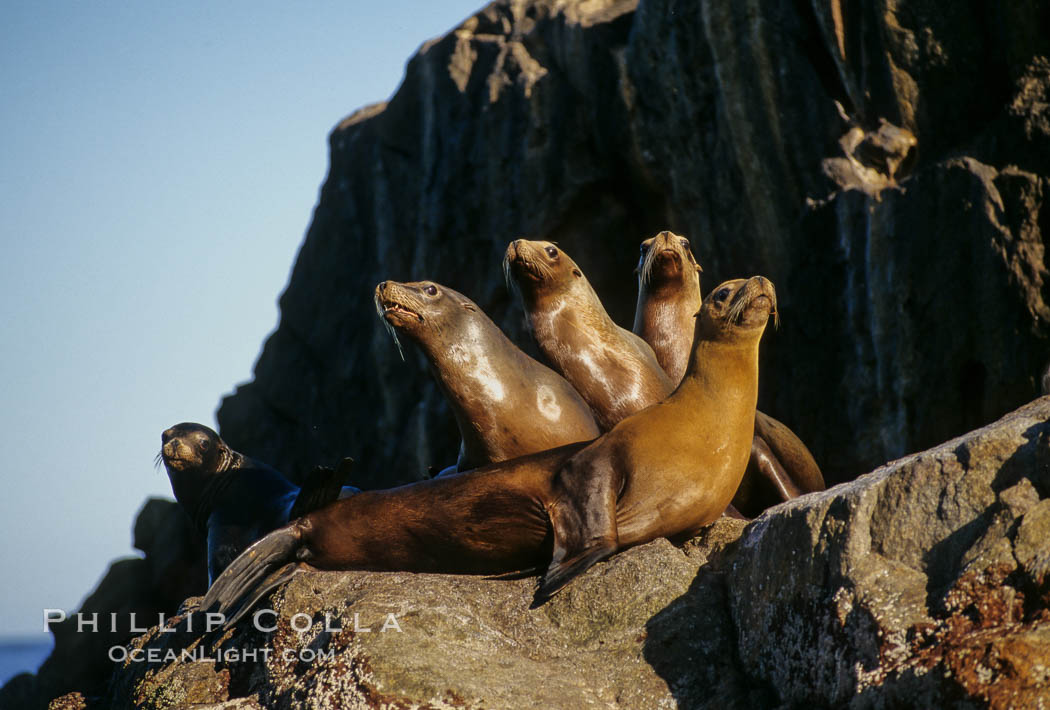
(558, 575)
(583, 519)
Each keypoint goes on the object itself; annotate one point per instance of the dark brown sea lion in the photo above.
(505, 403)
(781, 467)
(612, 368)
(665, 471)
(232, 499)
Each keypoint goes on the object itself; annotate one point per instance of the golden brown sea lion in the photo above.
(665, 471)
(506, 404)
(613, 369)
(781, 467)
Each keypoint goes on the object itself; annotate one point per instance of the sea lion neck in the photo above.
(199, 488)
(714, 364)
(574, 308)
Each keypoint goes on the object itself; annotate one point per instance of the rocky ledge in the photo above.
(924, 583)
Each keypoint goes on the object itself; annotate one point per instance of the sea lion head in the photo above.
(422, 310)
(537, 267)
(664, 260)
(737, 310)
(189, 446)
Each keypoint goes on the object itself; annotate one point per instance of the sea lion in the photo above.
(613, 369)
(506, 404)
(233, 500)
(781, 467)
(668, 299)
(665, 471)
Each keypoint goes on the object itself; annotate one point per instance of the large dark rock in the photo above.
(885, 164)
(925, 583)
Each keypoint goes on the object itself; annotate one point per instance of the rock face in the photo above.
(925, 583)
(885, 163)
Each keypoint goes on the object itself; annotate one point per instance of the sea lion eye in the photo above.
(205, 444)
(430, 290)
(551, 251)
(643, 248)
(685, 243)
(721, 295)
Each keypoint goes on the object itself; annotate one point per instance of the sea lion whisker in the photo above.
(389, 328)
(736, 309)
(158, 460)
(507, 278)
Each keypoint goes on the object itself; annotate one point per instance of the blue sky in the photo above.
(159, 164)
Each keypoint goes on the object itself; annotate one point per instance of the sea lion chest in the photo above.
(682, 465)
(256, 501)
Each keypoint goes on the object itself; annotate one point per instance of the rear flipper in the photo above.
(583, 519)
(269, 562)
(731, 512)
(773, 470)
(322, 486)
(792, 454)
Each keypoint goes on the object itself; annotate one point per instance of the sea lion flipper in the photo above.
(791, 452)
(265, 564)
(770, 467)
(560, 574)
(272, 581)
(320, 487)
(583, 520)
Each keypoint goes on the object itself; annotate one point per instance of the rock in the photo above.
(70, 701)
(913, 285)
(913, 585)
(908, 586)
(442, 639)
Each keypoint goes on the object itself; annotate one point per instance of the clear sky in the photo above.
(159, 165)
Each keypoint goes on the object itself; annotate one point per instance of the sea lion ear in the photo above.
(699, 269)
(579, 274)
(469, 306)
